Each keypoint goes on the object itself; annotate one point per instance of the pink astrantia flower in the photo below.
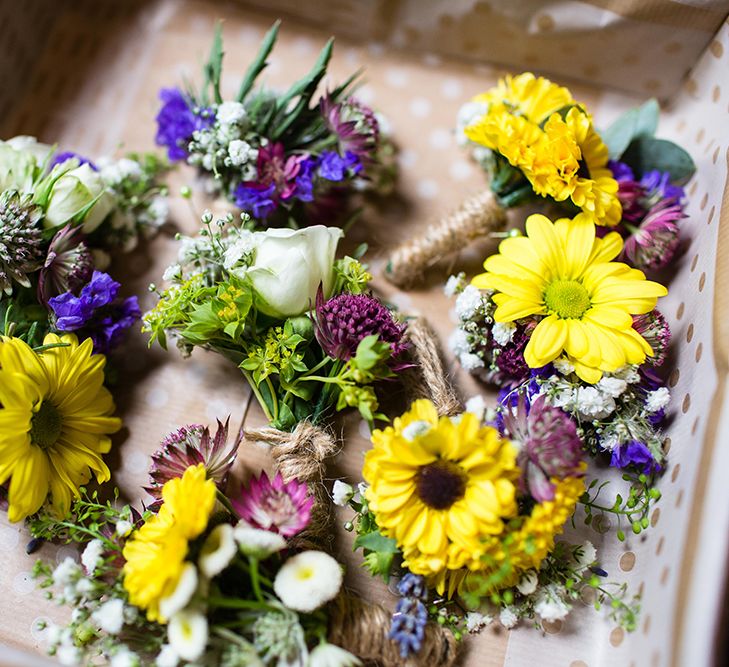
(188, 446)
(275, 505)
(653, 243)
(654, 328)
(355, 125)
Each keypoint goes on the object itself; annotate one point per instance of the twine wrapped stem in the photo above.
(478, 216)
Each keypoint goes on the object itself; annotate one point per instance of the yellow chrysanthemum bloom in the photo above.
(155, 554)
(440, 486)
(571, 162)
(562, 272)
(55, 417)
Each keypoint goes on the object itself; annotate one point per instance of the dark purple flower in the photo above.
(550, 447)
(634, 454)
(60, 158)
(510, 359)
(305, 179)
(176, 121)
(345, 320)
(334, 167)
(354, 124)
(621, 171)
(258, 202)
(408, 626)
(68, 265)
(654, 328)
(653, 243)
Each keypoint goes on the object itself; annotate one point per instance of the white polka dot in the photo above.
(23, 583)
(157, 397)
(441, 138)
(428, 188)
(376, 49)
(218, 409)
(403, 301)
(303, 46)
(9, 538)
(396, 77)
(364, 430)
(366, 94)
(67, 552)
(460, 170)
(274, 65)
(35, 632)
(431, 60)
(134, 462)
(408, 158)
(420, 107)
(452, 89)
(195, 372)
(199, 23)
(249, 34)
(352, 57)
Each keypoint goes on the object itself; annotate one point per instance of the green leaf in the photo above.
(639, 122)
(375, 541)
(648, 153)
(259, 63)
(370, 352)
(214, 66)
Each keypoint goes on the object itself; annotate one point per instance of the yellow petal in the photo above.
(546, 342)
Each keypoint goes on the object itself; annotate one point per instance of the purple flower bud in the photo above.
(634, 454)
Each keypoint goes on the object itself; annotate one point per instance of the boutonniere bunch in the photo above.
(287, 158)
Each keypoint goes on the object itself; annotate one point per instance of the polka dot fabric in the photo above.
(91, 86)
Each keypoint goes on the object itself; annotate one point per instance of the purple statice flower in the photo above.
(653, 242)
(274, 505)
(96, 312)
(342, 322)
(412, 586)
(550, 447)
(634, 454)
(334, 167)
(654, 328)
(657, 186)
(68, 265)
(177, 120)
(188, 446)
(354, 125)
(60, 158)
(408, 626)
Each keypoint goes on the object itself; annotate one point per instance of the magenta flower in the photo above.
(549, 445)
(354, 124)
(343, 321)
(654, 328)
(275, 505)
(653, 243)
(188, 446)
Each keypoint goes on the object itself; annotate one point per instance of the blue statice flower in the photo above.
(412, 586)
(334, 167)
(408, 626)
(96, 312)
(60, 158)
(635, 454)
(657, 186)
(177, 120)
(257, 201)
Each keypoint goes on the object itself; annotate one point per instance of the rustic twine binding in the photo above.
(476, 217)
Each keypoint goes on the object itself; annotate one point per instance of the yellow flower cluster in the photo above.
(445, 490)
(541, 130)
(155, 554)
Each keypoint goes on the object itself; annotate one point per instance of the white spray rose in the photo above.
(20, 161)
(72, 192)
(289, 265)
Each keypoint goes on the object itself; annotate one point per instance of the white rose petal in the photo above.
(308, 580)
(218, 550)
(185, 589)
(188, 634)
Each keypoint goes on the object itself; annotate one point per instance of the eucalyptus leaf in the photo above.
(648, 154)
(638, 122)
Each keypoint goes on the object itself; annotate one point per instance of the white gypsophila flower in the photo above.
(217, 551)
(207, 162)
(468, 114)
(503, 332)
(113, 172)
(230, 112)
(240, 249)
(92, 555)
(628, 373)
(308, 580)
(190, 248)
(110, 616)
(66, 571)
(185, 589)
(476, 406)
(508, 617)
(53, 634)
(476, 620)
(84, 586)
(452, 285)
(657, 400)
(470, 361)
(612, 386)
(528, 582)
(68, 654)
(588, 555)
(563, 366)
(157, 211)
(256, 542)
(172, 273)
(467, 302)
(593, 404)
(123, 527)
(549, 604)
(330, 655)
(564, 398)
(241, 152)
(341, 493)
(167, 657)
(415, 429)
(458, 342)
(187, 633)
(123, 657)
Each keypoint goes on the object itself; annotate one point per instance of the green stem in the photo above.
(257, 394)
(225, 503)
(235, 603)
(274, 399)
(255, 578)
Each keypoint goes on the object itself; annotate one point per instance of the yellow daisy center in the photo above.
(440, 484)
(46, 425)
(567, 298)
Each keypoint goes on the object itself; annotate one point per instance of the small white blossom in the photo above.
(503, 332)
(458, 342)
(157, 211)
(172, 272)
(256, 542)
(508, 617)
(185, 589)
(124, 658)
(167, 657)
(330, 655)
(476, 406)
(110, 616)
(470, 361)
(217, 551)
(188, 634)
(475, 621)
(68, 654)
(451, 286)
(549, 604)
(468, 302)
(229, 113)
(66, 571)
(628, 373)
(657, 400)
(240, 249)
(528, 583)
(241, 152)
(308, 580)
(341, 493)
(84, 586)
(593, 404)
(563, 366)
(588, 555)
(415, 430)
(123, 527)
(92, 555)
(612, 386)
(113, 172)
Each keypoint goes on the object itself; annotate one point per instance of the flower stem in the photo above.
(255, 578)
(258, 395)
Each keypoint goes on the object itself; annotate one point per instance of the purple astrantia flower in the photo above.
(408, 626)
(634, 454)
(274, 505)
(550, 447)
(68, 266)
(60, 158)
(354, 124)
(176, 121)
(96, 313)
(652, 244)
(334, 167)
(342, 322)
(654, 328)
(188, 446)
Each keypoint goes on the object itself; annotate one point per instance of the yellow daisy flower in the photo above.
(562, 272)
(155, 554)
(439, 486)
(55, 417)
